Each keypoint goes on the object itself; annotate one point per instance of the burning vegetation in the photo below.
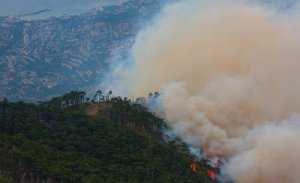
(228, 76)
(206, 167)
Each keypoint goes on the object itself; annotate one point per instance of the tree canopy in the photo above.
(63, 141)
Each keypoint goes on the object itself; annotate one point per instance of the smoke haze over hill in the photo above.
(228, 73)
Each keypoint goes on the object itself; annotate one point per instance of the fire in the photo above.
(212, 166)
(194, 167)
(212, 174)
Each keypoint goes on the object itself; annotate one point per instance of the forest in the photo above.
(75, 139)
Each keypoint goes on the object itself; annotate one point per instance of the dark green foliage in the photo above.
(122, 142)
(6, 179)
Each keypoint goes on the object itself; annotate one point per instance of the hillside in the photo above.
(44, 58)
(70, 140)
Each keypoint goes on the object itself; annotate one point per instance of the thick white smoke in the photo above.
(271, 154)
(229, 73)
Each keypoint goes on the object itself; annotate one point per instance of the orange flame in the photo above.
(194, 167)
(211, 174)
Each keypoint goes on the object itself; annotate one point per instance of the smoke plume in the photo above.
(229, 76)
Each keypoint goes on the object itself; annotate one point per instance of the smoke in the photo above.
(272, 154)
(229, 76)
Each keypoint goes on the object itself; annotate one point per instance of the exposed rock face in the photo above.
(43, 58)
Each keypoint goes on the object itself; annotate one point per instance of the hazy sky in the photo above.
(58, 7)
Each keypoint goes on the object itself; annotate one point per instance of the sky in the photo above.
(58, 7)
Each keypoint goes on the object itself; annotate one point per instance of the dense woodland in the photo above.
(76, 139)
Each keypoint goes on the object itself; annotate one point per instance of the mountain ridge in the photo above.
(120, 142)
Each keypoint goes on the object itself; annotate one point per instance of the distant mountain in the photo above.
(58, 7)
(44, 58)
(281, 4)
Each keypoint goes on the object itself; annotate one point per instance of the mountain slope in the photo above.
(120, 142)
(44, 58)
